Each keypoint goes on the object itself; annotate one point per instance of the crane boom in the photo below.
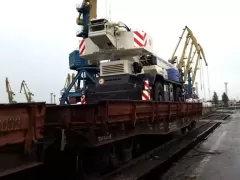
(181, 62)
(88, 11)
(197, 63)
(27, 92)
(187, 68)
(11, 94)
(189, 61)
(203, 55)
(69, 80)
(189, 37)
(75, 85)
(93, 11)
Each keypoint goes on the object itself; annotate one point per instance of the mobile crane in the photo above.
(10, 93)
(133, 71)
(27, 92)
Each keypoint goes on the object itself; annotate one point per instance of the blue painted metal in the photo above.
(86, 74)
(84, 11)
(173, 74)
(189, 87)
(75, 61)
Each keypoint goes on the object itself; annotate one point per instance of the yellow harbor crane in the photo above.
(10, 93)
(197, 63)
(68, 81)
(27, 92)
(186, 67)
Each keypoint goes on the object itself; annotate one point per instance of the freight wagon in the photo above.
(112, 130)
(20, 135)
(105, 134)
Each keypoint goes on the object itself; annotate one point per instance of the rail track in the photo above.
(160, 159)
(216, 115)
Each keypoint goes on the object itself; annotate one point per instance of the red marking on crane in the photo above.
(82, 47)
(145, 43)
(83, 99)
(145, 95)
(146, 92)
(139, 38)
(146, 85)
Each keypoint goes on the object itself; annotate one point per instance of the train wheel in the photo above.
(101, 160)
(114, 159)
(80, 173)
(178, 95)
(125, 150)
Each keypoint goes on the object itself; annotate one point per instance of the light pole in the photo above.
(51, 95)
(54, 98)
(226, 88)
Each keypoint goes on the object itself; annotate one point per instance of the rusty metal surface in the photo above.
(114, 120)
(67, 115)
(21, 123)
(122, 111)
(118, 111)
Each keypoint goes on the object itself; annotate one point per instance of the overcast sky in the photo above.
(36, 38)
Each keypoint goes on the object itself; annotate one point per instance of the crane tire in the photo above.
(158, 92)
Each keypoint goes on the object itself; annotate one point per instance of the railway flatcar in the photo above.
(111, 131)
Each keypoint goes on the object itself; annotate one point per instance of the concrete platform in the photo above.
(218, 158)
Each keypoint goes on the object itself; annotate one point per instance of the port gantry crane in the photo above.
(87, 72)
(68, 82)
(185, 68)
(27, 92)
(193, 70)
(10, 93)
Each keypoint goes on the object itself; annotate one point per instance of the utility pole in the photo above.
(51, 95)
(226, 88)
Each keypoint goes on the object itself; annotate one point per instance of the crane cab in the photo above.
(107, 38)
